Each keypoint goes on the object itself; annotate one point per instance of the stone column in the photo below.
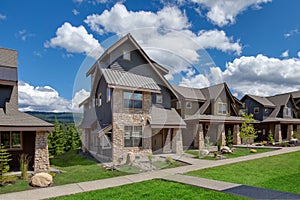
(41, 155)
(178, 147)
(200, 136)
(278, 137)
(236, 134)
(289, 131)
(147, 137)
(167, 144)
(298, 131)
(222, 137)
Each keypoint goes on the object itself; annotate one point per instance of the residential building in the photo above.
(20, 133)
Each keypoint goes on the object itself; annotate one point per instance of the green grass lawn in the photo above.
(280, 172)
(154, 189)
(236, 153)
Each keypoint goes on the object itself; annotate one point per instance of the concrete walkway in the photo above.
(50, 192)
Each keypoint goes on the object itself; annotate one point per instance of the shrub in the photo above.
(283, 144)
(4, 166)
(229, 139)
(150, 157)
(24, 161)
(270, 137)
(207, 143)
(170, 160)
(295, 136)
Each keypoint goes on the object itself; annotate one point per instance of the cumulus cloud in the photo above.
(285, 54)
(298, 54)
(2, 17)
(23, 34)
(75, 40)
(47, 99)
(165, 35)
(222, 12)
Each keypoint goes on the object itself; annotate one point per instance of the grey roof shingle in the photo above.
(162, 117)
(189, 93)
(214, 118)
(127, 79)
(19, 119)
(262, 100)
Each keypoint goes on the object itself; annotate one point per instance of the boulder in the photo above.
(41, 180)
(226, 149)
(130, 158)
(204, 152)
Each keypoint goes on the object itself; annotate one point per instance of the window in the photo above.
(188, 104)
(108, 95)
(287, 111)
(133, 99)
(105, 141)
(256, 110)
(99, 100)
(126, 55)
(222, 108)
(266, 110)
(178, 105)
(133, 136)
(159, 98)
(11, 139)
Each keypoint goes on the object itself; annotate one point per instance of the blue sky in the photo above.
(253, 44)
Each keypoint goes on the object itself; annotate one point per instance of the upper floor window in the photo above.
(99, 100)
(222, 108)
(188, 104)
(133, 99)
(287, 111)
(178, 105)
(133, 136)
(11, 139)
(159, 98)
(108, 95)
(256, 110)
(126, 55)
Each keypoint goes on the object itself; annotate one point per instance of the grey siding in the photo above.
(250, 104)
(8, 74)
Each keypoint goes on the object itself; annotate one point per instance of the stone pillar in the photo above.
(196, 136)
(298, 131)
(201, 137)
(178, 141)
(222, 137)
(167, 144)
(41, 155)
(289, 131)
(278, 137)
(147, 137)
(236, 134)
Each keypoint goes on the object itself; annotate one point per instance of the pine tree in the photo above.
(56, 139)
(4, 166)
(247, 131)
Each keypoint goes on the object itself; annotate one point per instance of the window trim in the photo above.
(108, 95)
(159, 95)
(99, 100)
(10, 140)
(127, 55)
(188, 103)
(222, 105)
(132, 99)
(256, 110)
(131, 138)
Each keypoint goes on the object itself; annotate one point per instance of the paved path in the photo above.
(45, 193)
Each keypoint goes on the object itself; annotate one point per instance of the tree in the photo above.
(72, 138)
(4, 166)
(270, 138)
(247, 131)
(56, 139)
(229, 139)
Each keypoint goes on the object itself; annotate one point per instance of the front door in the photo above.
(157, 142)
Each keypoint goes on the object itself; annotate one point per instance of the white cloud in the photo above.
(291, 33)
(285, 54)
(75, 12)
(222, 12)
(298, 54)
(2, 17)
(75, 40)
(47, 99)
(165, 35)
(24, 34)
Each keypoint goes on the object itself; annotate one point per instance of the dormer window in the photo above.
(188, 105)
(126, 55)
(99, 100)
(222, 108)
(256, 110)
(159, 98)
(287, 111)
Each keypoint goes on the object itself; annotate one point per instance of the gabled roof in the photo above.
(193, 94)
(162, 117)
(261, 100)
(127, 79)
(296, 94)
(279, 101)
(156, 68)
(22, 121)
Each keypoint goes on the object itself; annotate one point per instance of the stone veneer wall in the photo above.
(41, 156)
(132, 117)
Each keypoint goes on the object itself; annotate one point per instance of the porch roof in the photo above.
(21, 121)
(165, 118)
(281, 120)
(214, 118)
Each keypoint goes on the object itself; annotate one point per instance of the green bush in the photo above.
(24, 161)
(283, 144)
(4, 166)
(170, 160)
(270, 137)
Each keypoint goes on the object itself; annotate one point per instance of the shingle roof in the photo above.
(212, 92)
(214, 118)
(262, 100)
(189, 93)
(127, 79)
(282, 120)
(162, 117)
(278, 100)
(296, 94)
(19, 119)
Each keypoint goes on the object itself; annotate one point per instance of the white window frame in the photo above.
(133, 134)
(221, 112)
(157, 98)
(99, 100)
(126, 55)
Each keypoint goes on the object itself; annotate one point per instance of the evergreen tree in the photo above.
(56, 139)
(72, 138)
(229, 139)
(270, 137)
(4, 166)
